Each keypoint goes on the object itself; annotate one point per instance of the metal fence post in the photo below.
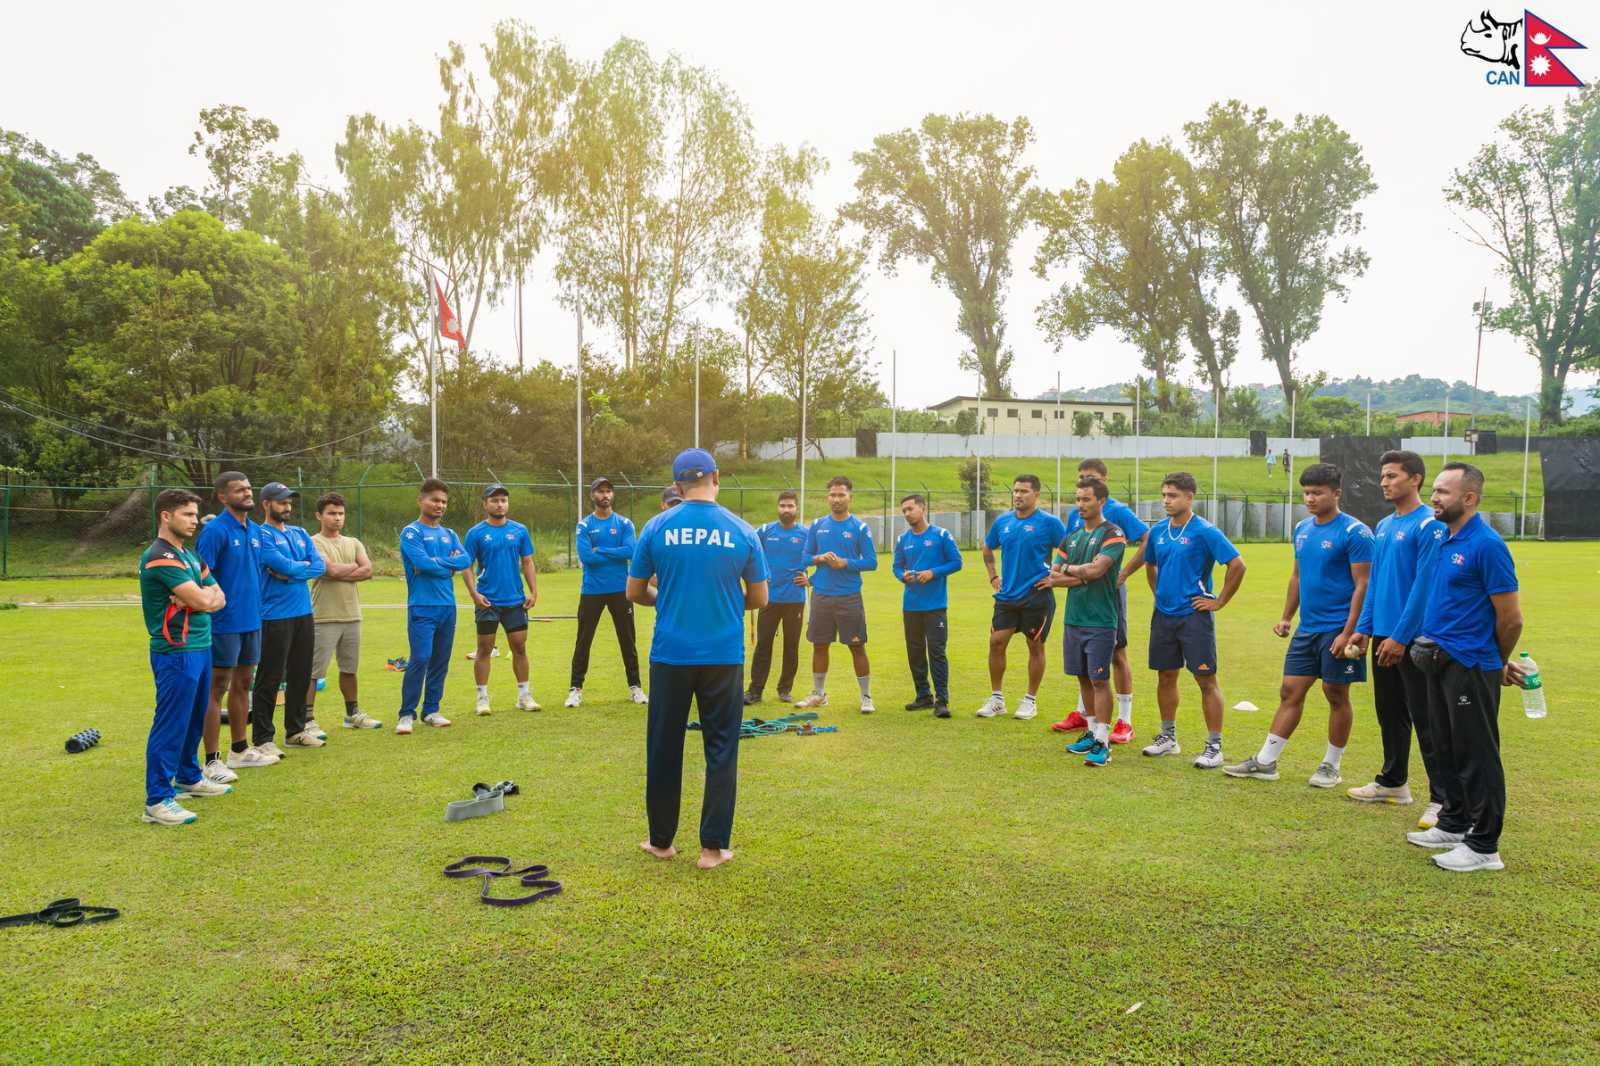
(154, 523)
(361, 513)
(5, 531)
(567, 499)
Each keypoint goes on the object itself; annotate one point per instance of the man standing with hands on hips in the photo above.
(709, 569)
(503, 588)
(840, 546)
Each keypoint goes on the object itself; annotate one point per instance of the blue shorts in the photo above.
(1086, 651)
(1188, 640)
(1311, 655)
(514, 619)
(235, 649)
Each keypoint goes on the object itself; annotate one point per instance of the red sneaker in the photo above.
(1122, 732)
(1071, 723)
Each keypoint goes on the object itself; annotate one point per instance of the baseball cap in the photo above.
(496, 489)
(597, 482)
(277, 490)
(670, 495)
(692, 464)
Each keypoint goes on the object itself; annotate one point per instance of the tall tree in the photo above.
(1283, 201)
(953, 193)
(56, 204)
(238, 150)
(1532, 199)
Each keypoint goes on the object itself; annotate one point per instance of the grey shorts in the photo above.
(837, 618)
(336, 638)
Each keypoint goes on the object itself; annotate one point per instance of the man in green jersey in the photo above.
(179, 595)
(1089, 639)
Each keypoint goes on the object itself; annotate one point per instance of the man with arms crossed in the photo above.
(709, 570)
(1332, 561)
(840, 546)
(432, 555)
(178, 595)
(230, 546)
(336, 610)
(503, 588)
(288, 562)
(1089, 636)
(1178, 556)
(925, 556)
(605, 543)
(1023, 597)
(784, 544)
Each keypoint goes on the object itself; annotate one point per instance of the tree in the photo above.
(1242, 408)
(1082, 423)
(237, 150)
(1282, 200)
(954, 194)
(57, 205)
(1533, 201)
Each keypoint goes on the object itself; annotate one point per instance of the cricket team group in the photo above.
(252, 608)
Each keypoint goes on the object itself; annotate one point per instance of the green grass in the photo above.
(905, 889)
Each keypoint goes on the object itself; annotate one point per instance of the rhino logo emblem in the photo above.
(1493, 41)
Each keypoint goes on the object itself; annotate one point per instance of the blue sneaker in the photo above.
(1083, 745)
(1098, 755)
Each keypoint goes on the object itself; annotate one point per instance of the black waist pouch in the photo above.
(1427, 656)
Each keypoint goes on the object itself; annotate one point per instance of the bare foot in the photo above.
(710, 857)
(660, 853)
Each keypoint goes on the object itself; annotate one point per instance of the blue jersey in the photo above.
(232, 552)
(850, 540)
(1469, 567)
(1183, 557)
(497, 551)
(786, 559)
(698, 552)
(1402, 546)
(1025, 545)
(1118, 514)
(604, 547)
(933, 549)
(1324, 553)
(431, 555)
(288, 563)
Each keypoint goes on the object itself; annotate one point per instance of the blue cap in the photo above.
(277, 490)
(692, 464)
(496, 489)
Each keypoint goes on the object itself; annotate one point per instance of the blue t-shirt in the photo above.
(426, 553)
(849, 539)
(1118, 514)
(1324, 552)
(786, 559)
(289, 554)
(1468, 568)
(604, 547)
(698, 552)
(1025, 545)
(1402, 544)
(498, 551)
(933, 549)
(232, 552)
(1183, 557)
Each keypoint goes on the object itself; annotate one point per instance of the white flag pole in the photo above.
(1527, 436)
(801, 443)
(894, 424)
(433, 382)
(581, 492)
(1138, 448)
(1058, 444)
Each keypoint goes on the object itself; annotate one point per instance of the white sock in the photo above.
(1125, 708)
(1271, 749)
(1029, 698)
(522, 688)
(1081, 708)
(865, 682)
(1333, 756)
(819, 683)
(483, 692)
(1101, 730)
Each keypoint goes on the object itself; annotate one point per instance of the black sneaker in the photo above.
(921, 703)
(751, 698)
(941, 710)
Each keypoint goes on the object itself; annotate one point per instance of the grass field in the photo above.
(906, 889)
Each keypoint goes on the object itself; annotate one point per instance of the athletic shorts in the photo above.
(1311, 655)
(341, 640)
(1032, 616)
(1086, 651)
(1122, 616)
(1177, 641)
(235, 649)
(513, 619)
(841, 619)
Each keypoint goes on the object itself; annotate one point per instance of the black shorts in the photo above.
(1032, 616)
(837, 618)
(1184, 640)
(1086, 652)
(512, 619)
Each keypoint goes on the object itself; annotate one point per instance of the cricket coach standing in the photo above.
(698, 553)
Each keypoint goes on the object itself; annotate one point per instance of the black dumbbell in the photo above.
(83, 741)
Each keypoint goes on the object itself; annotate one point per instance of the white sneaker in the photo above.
(1430, 816)
(315, 730)
(271, 750)
(437, 720)
(238, 760)
(218, 771)
(1435, 838)
(1027, 710)
(816, 699)
(1326, 776)
(1209, 759)
(636, 694)
(526, 702)
(203, 787)
(1372, 792)
(574, 697)
(866, 705)
(993, 707)
(483, 706)
(403, 726)
(1462, 859)
(1164, 744)
(361, 720)
(304, 739)
(167, 812)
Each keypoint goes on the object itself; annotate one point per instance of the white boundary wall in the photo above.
(1002, 446)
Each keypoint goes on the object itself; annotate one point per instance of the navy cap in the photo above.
(597, 482)
(277, 490)
(496, 489)
(692, 464)
(670, 495)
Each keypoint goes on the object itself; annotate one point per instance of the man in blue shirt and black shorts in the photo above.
(1328, 585)
(925, 556)
(784, 543)
(709, 569)
(840, 546)
(503, 588)
(1023, 597)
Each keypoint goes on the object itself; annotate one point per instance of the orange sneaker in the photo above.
(1122, 732)
(1071, 723)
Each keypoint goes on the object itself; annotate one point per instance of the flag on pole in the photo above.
(449, 325)
(1543, 68)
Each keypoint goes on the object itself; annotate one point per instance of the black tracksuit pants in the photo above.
(286, 645)
(1400, 694)
(590, 607)
(1464, 711)
(718, 693)
(926, 633)
(790, 616)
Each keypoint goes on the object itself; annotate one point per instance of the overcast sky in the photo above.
(124, 82)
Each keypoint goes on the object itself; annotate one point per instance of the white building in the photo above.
(1034, 418)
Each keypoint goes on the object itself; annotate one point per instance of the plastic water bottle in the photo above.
(1532, 688)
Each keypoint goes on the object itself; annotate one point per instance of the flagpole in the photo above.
(694, 341)
(801, 443)
(1058, 444)
(579, 398)
(1138, 404)
(894, 409)
(433, 382)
